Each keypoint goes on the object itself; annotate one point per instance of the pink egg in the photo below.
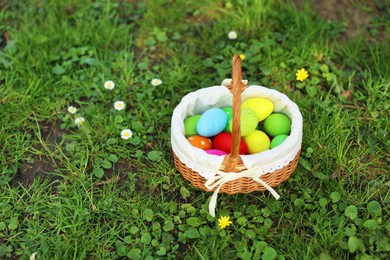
(216, 152)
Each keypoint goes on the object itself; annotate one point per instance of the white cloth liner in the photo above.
(208, 165)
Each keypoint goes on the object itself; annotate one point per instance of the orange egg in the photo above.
(201, 142)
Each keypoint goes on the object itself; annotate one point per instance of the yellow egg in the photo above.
(257, 142)
(262, 106)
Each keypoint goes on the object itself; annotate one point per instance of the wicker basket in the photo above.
(233, 162)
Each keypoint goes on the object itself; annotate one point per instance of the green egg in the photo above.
(248, 121)
(277, 140)
(277, 124)
(229, 114)
(229, 126)
(190, 125)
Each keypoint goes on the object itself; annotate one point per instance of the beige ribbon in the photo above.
(223, 177)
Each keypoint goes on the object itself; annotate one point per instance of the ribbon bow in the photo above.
(223, 177)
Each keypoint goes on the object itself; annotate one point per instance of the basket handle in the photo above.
(233, 160)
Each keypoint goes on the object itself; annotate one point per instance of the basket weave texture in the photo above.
(233, 162)
(242, 185)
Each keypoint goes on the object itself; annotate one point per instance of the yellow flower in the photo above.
(302, 74)
(242, 56)
(224, 221)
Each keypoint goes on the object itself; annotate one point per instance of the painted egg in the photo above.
(277, 124)
(190, 125)
(223, 141)
(201, 142)
(211, 122)
(216, 152)
(262, 106)
(248, 121)
(277, 140)
(229, 126)
(257, 142)
(229, 115)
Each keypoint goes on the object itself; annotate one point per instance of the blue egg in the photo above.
(212, 122)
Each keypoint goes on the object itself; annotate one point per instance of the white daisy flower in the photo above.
(156, 82)
(72, 109)
(126, 134)
(79, 121)
(109, 84)
(232, 35)
(119, 105)
(33, 255)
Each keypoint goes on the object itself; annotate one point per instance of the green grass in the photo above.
(54, 200)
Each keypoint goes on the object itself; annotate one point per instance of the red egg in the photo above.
(201, 142)
(223, 141)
